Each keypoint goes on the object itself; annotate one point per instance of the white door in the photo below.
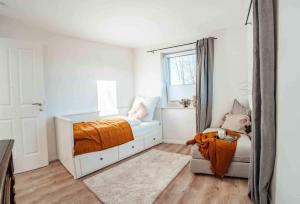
(22, 115)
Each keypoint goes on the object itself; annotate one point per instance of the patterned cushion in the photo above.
(236, 122)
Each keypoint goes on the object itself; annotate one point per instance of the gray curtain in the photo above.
(264, 101)
(204, 82)
(165, 81)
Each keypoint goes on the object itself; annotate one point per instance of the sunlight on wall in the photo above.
(107, 97)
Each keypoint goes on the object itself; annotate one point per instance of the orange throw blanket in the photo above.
(219, 152)
(100, 135)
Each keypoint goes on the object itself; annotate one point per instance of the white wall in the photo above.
(288, 100)
(179, 125)
(231, 71)
(230, 78)
(71, 68)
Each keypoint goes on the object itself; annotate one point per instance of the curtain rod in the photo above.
(165, 48)
(246, 23)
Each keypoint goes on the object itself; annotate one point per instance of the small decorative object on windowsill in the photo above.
(185, 102)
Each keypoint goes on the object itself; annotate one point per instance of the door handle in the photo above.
(37, 104)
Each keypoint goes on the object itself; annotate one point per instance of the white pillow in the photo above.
(150, 104)
(139, 112)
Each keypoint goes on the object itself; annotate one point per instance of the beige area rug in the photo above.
(139, 180)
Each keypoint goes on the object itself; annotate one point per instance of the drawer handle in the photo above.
(132, 147)
(101, 158)
(154, 138)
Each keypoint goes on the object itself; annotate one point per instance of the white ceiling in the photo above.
(130, 23)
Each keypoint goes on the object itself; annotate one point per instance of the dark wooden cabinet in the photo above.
(7, 179)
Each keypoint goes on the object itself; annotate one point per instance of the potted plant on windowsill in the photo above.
(185, 102)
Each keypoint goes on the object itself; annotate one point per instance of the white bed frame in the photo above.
(81, 165)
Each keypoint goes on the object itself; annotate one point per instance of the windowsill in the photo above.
(177, 107)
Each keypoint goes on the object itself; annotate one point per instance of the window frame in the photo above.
(177, 54)
(166, 81)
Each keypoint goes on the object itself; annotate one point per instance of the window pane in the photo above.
(189, 69)
(182, 69)
(107, 97)
(175, 72)
(176, 93)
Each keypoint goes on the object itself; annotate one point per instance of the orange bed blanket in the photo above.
(100, 135)
(219, 152)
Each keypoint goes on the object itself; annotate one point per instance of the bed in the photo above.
(146, 135)
(240, 164)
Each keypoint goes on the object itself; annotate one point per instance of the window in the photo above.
(182, 69)
(180, 75)
(107, 97)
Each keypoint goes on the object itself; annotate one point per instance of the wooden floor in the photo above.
(53, 184)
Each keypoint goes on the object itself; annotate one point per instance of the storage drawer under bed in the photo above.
(90, 162)
(131, 148)
(153, 139)
(93, 161)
